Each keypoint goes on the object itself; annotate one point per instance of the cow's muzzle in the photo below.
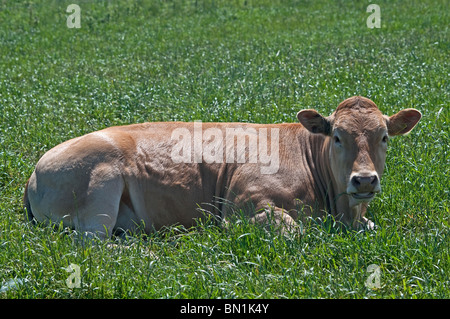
(363, 187)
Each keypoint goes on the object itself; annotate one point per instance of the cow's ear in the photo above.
(402, 122)
(314, 122)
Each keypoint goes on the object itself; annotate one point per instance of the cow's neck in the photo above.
(335, 201)
(325, 183)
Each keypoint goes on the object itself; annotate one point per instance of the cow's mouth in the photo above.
(367, 195)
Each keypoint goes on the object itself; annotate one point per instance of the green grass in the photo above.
(250, 61)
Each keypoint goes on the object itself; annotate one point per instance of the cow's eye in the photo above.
(337, 140)
(385, 139)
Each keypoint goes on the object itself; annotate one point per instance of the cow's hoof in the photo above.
(368, 224)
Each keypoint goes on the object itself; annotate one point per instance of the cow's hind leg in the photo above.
(89, 208)
(98, 216)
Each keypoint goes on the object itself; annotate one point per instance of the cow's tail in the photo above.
(27, 207)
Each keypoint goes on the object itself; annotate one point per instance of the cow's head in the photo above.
(357, 141)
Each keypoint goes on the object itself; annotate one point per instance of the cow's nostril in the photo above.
(361, 181)
(374, 180)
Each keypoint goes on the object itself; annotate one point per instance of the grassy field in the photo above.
(239, 60)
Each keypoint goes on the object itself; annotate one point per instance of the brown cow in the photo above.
(166, 173)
